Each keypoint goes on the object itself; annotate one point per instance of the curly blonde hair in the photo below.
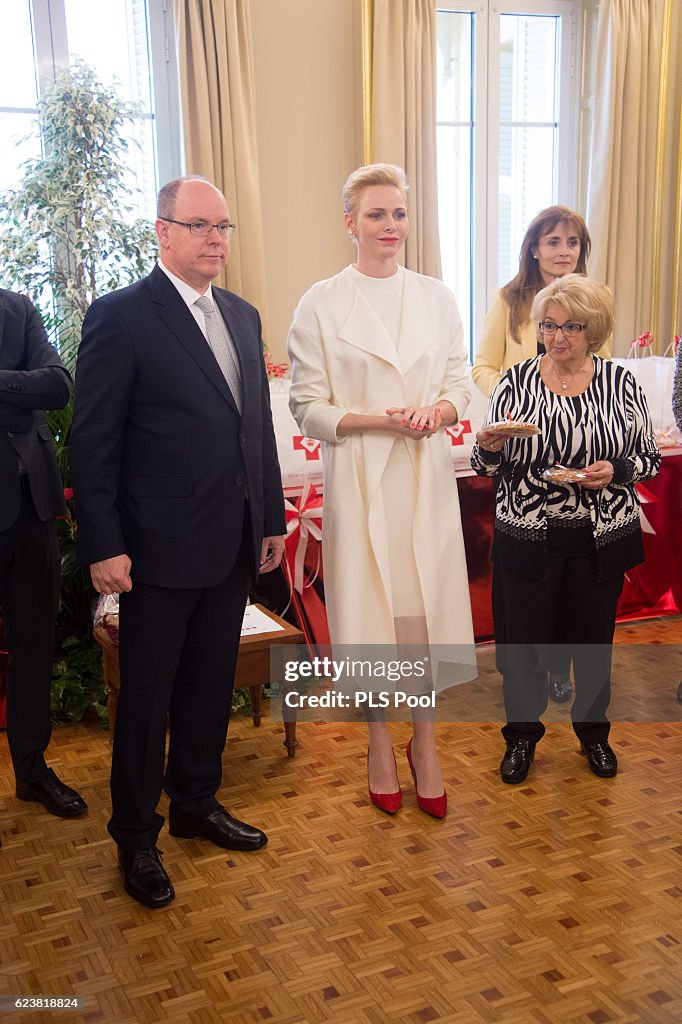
(582, 300)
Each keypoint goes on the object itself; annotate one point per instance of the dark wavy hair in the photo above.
(522, 289)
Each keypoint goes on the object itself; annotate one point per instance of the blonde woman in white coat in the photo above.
(378, 369)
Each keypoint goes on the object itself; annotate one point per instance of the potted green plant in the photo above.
(67, 235)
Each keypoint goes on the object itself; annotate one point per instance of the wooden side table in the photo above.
(253, 670)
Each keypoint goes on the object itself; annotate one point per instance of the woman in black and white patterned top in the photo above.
(562, 548)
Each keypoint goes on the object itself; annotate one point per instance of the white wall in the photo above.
(308, 72)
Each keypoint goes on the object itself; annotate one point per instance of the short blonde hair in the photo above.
(582, 300)
(371, 174)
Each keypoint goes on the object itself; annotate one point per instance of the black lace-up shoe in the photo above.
(601, 759)
(53, 795)
(219, 828)
(517, 760)
(560, 689)
(145, 878)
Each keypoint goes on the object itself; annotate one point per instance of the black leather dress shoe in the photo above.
(560, 689)
(601, 759)
(679, 693)
(517, 760)
(219, 827)
(145, 878)
(53, 795)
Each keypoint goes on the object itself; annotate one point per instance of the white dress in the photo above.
(392, 543)
(399, 479)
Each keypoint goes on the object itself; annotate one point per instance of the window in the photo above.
(40, 36)
(507, 110)
(18, 90)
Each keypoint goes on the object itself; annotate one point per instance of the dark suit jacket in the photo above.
(161, 461)
(32, 378)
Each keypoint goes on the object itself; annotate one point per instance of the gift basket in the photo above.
(105, 623)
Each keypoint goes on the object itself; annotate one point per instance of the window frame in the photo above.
(486, 129)
(51, 53)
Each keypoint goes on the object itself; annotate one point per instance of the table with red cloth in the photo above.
(651, 589)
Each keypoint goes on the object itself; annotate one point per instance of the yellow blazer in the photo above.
(497, 350)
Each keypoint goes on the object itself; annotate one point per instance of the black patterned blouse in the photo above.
(609, 421)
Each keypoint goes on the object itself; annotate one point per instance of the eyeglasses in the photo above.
(201, 228)
(549, 328)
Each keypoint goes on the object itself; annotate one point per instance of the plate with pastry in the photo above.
(564, 475)
(514, 428)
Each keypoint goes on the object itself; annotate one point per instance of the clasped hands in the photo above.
(416, 423)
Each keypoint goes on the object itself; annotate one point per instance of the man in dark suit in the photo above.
(179, 505)
(32, 378)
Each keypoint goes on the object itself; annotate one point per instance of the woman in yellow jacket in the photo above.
(556, 243)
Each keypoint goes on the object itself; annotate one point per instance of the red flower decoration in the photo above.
(68, 493)
(275, 370)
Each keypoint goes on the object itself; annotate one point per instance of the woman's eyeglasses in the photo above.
(549, 328)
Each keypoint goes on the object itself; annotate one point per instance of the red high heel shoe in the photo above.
(388, 802)
(436, 806)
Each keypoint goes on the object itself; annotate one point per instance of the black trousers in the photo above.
(29, 597)
(561, 654)
(532, 609)
(178, 651)
(560, 660)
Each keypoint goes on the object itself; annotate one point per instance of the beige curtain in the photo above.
(402, 81)
(629, 193)
(219, 126)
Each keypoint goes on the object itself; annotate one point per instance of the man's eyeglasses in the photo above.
(201, 228)
(549, 328)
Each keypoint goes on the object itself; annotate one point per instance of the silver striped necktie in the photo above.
(222, 347)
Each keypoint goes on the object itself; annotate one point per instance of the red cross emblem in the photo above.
(458, 431)
(309, 445)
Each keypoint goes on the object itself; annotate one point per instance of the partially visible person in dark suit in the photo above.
(179, 506)
(32, 378)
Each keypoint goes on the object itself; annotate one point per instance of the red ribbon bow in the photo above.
(304, 520)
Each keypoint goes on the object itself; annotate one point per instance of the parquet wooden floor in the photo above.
(555, 902)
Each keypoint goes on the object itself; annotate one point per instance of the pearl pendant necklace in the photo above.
(565, 384)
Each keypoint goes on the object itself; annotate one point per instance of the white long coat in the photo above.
(343, 360)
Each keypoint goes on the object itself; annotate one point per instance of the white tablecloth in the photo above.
(301, 461)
